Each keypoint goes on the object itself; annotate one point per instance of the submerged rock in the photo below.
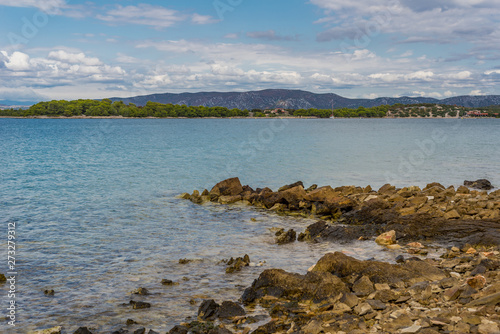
(283, 237)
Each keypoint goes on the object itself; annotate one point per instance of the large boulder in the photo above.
(481, 184)
(294, 194)
(281, 284)
(229, 187)
(344, 266)
(323, 194)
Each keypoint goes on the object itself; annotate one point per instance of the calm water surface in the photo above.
(97, 216)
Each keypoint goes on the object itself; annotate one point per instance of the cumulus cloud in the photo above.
(17, 61)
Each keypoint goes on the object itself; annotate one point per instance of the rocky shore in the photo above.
(459, 292)
(435, 213)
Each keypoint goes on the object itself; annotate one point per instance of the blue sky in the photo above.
(69, 49)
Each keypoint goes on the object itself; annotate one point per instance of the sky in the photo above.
(71, 49)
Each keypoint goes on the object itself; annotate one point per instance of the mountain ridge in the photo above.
(297, 99)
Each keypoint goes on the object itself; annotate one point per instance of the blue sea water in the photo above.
(96, 213)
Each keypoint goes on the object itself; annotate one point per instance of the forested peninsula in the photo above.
(108, 108)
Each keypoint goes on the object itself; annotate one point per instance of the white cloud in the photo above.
(490, 72)
(74, 58)
(155, 16)
(476, 92)
(203, 19)
(460, 75)
(47, 6)
(18, 61)
(231, 36)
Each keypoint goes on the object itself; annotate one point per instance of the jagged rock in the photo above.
(294, 194)
(342, 265)
(286, 237)
(290, 186)
(322, 194)
(230, 309)
(208, 310)
(237, 264)
(279, 283)
(363, 286)
(482, 184)
(228, 187)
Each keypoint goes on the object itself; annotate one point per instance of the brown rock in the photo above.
(229, 187)
(453, 214)
(363, 286)
(294, 194)
(387, 238)
(342, 265)
(477, 282)
(322, 194)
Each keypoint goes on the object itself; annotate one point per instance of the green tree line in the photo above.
(107, 107)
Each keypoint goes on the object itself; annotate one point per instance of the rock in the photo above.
(141, 291)
(228, 187)
(492, 299)
(386, 296)
(376, 304)
(281, 284)
(363, 309)
(387, 238)
(400, 259)
(322, 194)
(363, 286)
(82, 330)
(230, 199)
(286, 237)
(140, 331)
(49, 292)
(289, 186)
(3, 279)
(349, 299)
(230, 309)
(481, 184)
(387, 189)
(53, 330)
(179, 330)
(139, 305)
(477, 282)
(168, 282)
(342, 265)
(412, 329)
(153, 332)
(488, 327)
(294, 194)
(131, 322)
(208, 310)
(237, 264)
(453, 214)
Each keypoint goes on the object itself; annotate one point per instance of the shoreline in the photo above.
(238, 117)
(340, 294)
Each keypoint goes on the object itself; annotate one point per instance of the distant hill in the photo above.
(297, 99)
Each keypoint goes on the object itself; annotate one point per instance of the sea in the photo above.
(93, 205)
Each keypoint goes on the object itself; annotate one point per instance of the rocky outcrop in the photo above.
(461, 216)
(482, 184)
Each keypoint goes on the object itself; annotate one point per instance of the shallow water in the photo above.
(97, 214)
